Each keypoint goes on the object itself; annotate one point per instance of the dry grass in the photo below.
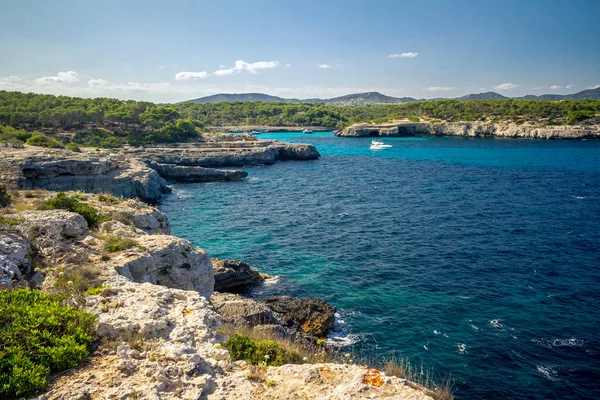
(419, 378)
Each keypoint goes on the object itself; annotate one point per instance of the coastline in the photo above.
(141, 290)
(475, 129)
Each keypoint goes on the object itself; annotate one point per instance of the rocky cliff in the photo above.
(157, 332)
(138, 172)
(471, 129)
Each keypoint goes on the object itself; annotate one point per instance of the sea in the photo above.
(476, 258)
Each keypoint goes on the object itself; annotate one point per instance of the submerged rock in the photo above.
(234, 276)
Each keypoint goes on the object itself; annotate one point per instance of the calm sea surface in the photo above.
(479, 258)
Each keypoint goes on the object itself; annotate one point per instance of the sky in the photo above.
(176, 50)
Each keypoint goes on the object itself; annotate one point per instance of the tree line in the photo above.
(106, 122)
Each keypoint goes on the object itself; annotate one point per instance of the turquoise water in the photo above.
(479, 258)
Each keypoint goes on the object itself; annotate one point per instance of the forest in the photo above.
(106, 122)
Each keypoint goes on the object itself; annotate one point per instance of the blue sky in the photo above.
(167, 51)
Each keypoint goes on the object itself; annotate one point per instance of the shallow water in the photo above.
(478, 257)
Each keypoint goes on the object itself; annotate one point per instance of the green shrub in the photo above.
(73, 147)
(267, 352)
(38, 336)
(114, 243)
(5, 198)
(107, 198)
(414, 119)
(64, 202)
(39, 139)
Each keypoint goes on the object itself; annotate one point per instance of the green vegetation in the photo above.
(265, 352)
(5, 198)
(64, 202)
(9, 221)
(73, 147)
(114, 243)
(39, 139)
(76, 282)
(38, 336)
(111, 123)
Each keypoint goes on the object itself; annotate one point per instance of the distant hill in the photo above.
(368, 98)
(378, 98)
(241, 97)
(483, 96)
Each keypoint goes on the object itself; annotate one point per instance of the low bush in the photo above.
(39, 336)
(73, 147)
(267, 352)
(5, 198)
(64, 202)
(39, 139)
(114, 243)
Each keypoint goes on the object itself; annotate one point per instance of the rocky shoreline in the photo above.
(267, 128)
(158, 316)
(471, 129)
(142, 172)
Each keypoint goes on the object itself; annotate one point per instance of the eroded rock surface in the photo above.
(316, 382)
(233, 276)
(15, 260)
(471, 129)
(167, 261)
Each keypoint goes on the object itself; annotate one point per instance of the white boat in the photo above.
(307, 131)
(377, 145)
(255, 133)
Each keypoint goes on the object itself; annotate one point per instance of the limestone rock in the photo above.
(316, 382)
(315, 316)
(196, 174)
(33, 167)
(173, 357)
(239, 310)
(167, 261)
(472, 129)
(234, 276)
(134, 212)
(59, 223)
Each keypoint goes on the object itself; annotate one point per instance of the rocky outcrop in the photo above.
(315, 316)
(188, 174)
(167, 261)
(166, 346)
(138, 172)
(294, 318)
(62, 170)
(16, 258)
(471, 129)
(316, 381)
(234, 276)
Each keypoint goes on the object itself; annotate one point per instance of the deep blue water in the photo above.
(478, 257)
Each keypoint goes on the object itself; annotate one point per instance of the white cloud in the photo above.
(482, 88)
(184, 75)
(439, 88)
(594, 87)
(556, 87)
(61, 77)
(339, 65)
(98, 83)
(569, 86)
(538, 88)
(241, 65)
(288, 65)
(323, 66)
(409, 54)
(507, 86)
